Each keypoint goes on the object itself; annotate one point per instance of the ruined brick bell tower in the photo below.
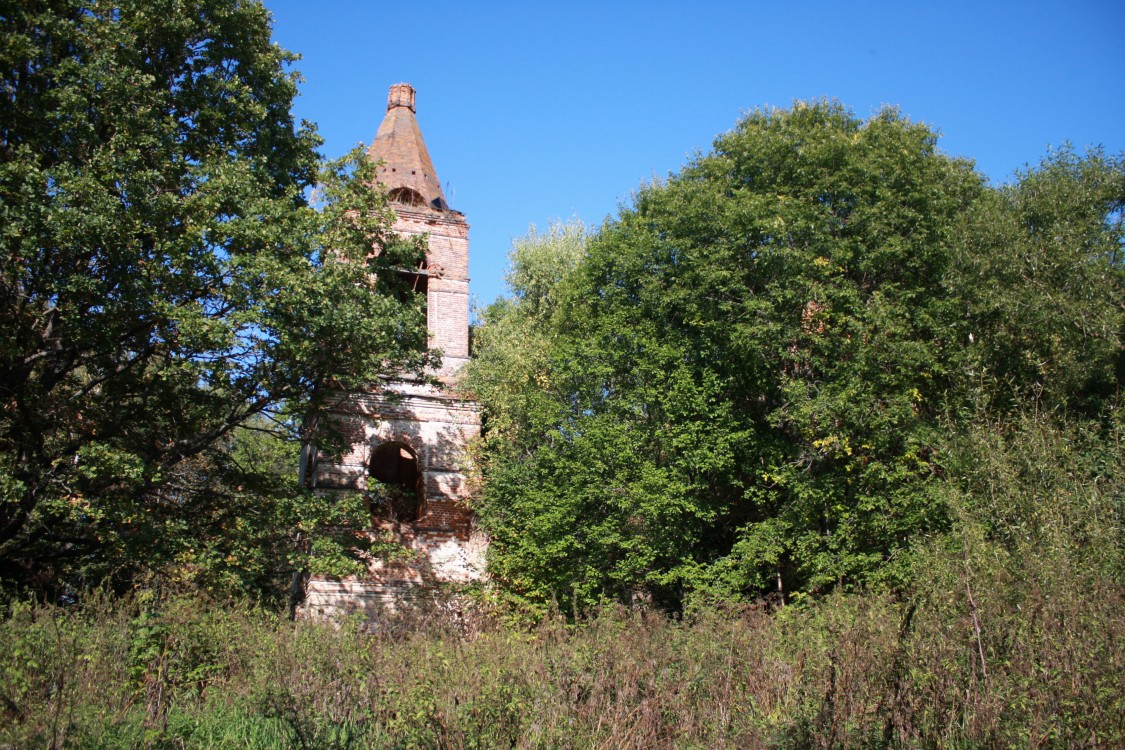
(409, 451)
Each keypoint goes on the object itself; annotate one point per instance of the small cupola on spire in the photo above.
(407, 170)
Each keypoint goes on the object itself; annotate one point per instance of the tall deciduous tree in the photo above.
(744, 382)
(164, 278)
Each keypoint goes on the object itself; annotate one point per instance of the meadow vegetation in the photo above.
(1012, 666)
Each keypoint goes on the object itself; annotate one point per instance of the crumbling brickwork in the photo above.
(409, 452)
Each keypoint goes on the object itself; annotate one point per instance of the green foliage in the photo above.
(165, 282)
(718, 410)
(847, 671)
(234, 521)
(1031, 578)
(512, 344)
(745, 382)
(1039, 275)
(1044, 492)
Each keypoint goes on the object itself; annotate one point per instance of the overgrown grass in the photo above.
(850, 671)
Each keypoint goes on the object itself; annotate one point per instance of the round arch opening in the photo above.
(406, 196)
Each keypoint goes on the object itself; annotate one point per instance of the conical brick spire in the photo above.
(407, 170)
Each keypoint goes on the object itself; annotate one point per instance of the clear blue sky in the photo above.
(536, 112)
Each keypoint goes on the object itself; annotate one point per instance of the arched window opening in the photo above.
(406, 196)
(395, 485)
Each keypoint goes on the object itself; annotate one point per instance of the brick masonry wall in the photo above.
(448, 263)
(433, 422)
(387, 586)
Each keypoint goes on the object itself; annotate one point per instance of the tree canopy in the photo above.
(166, 283)
(744, 382)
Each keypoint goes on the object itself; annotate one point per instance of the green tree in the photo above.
(164, 277)
(744, 384)
(1040, 277)
(512, 343)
